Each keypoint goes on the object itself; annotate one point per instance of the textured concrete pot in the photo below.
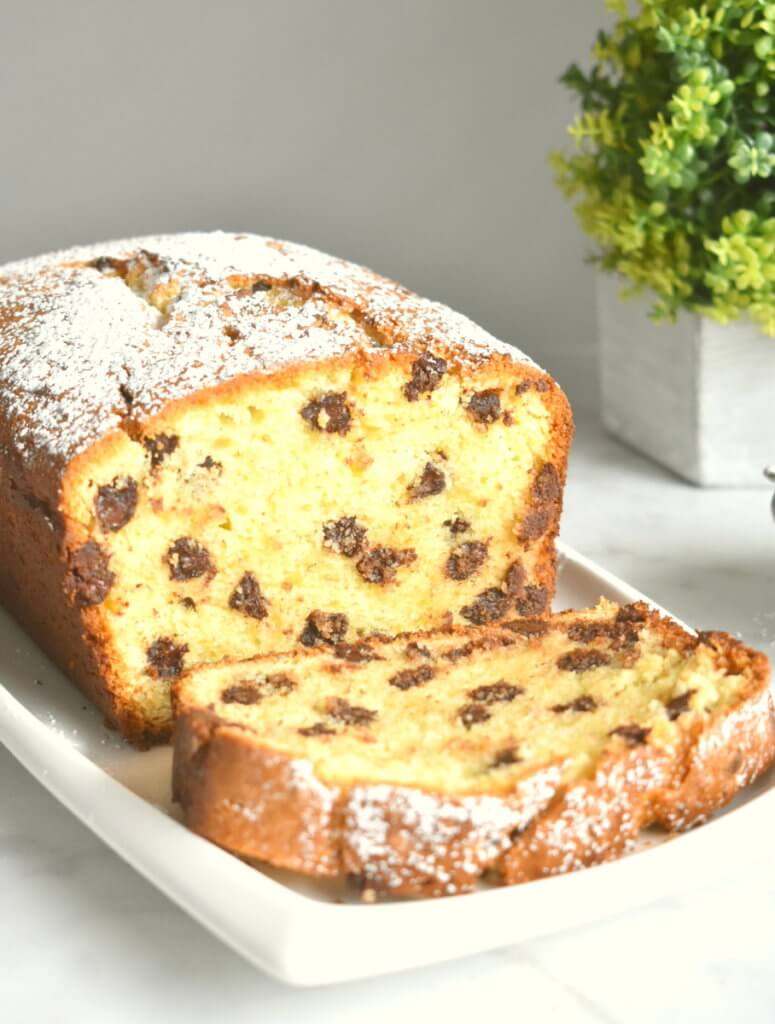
(695, 396)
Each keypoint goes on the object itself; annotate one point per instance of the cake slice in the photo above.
(218, 445)
(524, 749)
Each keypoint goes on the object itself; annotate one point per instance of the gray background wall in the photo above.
(410, 136)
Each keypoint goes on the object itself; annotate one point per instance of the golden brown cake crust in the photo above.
(250, 799)
(103, 342)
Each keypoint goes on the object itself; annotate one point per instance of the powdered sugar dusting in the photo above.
(158, 318)
(317, 803)
(59, 378)
(397, 834)
(594, 820)
(749, 730)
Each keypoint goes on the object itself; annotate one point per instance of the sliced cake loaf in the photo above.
(524, 749)
(221, 445)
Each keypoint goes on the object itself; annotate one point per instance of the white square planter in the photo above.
(696, 396)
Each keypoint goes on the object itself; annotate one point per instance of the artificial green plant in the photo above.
(673, 169)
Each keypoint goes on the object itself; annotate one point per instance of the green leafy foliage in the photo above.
(673, 170)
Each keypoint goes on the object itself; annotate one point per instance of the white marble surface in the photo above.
(83, 938)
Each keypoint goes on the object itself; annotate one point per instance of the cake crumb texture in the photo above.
(525, 749)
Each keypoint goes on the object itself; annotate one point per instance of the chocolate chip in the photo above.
(330, 413)
(210, 463)
(345, 536)
(466, 560)
(456, 653)
(582, 660)
(535, 524)
(188, 602)
(247, 597)
(318, 729)
(509, 755)
(489, 606)
(415, 650)
(358, 652)
(523, 386)
(638, 611)
(241, 693)
(457, 525)
(585, 703)
(411, 677)
(546, 491)
(277, 684)
(165, 657)
(623, 637)
(527, 627)
(105, 263)
(508, 419)
(127, 394)
(586, 632)
(514, 579)
(679, 705)
(187, 559)
(432, 481)
(427, 371)
(349, 714)
(153, 259)
(88, 579)
(632, 734)
(471, 714)
(251, 691)
(485, 406)
(324, 628)
(261, 286)
(547, 487)
(380, 564)
(532, 601)
(160, 446)
(115, 503)
(495, 693)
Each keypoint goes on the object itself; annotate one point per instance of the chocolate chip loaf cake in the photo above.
(524, 749)
(216, 445)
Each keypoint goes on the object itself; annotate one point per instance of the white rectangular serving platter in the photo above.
(307, 932)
